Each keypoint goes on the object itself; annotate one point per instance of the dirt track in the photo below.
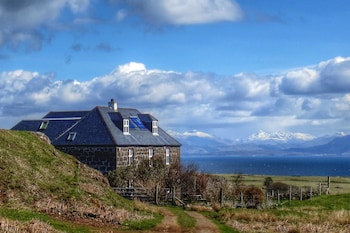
(169, 224)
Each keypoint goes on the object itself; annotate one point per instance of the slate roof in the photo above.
(100, 127)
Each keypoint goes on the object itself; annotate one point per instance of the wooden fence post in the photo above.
(310, 192)
(156, 195)
(290, 193)
(329, 185)
(173, 196)
(320, 188)
(221, 197)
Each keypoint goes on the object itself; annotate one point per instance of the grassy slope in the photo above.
(35, 177)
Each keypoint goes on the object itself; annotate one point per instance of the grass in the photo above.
(184, 220)
(323, 214)
(215, 218)
(36, 177)
(339, 185)
(145, 224)
(27, 216)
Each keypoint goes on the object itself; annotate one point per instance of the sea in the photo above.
(286, 165)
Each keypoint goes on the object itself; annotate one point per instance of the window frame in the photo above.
(167, 156)
(155, 127)
(71, 136)
(44, 124)
(126, 126)
(150, 156)
(130, 156)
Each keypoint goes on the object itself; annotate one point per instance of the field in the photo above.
(339, 185)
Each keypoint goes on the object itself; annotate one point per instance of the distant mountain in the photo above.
(338, 145)
(263, 143)
(280, 137)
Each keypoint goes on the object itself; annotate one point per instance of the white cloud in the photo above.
(20, 21)
(332, 76)
(182, 12)
(231, 106)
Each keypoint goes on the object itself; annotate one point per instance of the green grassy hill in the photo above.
(37, 178)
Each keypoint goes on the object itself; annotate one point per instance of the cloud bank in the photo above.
(313, 99)
(28, 23)
(182, 12)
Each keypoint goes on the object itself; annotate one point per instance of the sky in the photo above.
(212, 67)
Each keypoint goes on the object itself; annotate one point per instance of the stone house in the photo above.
(106, 137)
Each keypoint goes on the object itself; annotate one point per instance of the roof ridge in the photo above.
(105, 124)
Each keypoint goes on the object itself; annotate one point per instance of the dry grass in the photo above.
(299, 221)
(339, 185)
(33, 226)
(39, 178)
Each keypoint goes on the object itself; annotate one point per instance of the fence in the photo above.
(239, 200)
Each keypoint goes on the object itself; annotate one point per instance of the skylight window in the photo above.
(44, 125)
(71, 136)
(137, 122)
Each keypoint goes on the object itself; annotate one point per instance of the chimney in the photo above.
(113, 105)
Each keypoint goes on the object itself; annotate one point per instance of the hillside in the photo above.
(34, 176)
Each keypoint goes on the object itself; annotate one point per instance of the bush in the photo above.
(253, 197)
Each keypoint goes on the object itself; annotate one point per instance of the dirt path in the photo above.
(203, 225)
(170, 224)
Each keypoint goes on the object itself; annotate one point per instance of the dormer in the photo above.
(150, 122)
(155, 127)
(126, 127)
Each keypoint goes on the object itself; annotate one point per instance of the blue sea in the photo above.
(286, 165)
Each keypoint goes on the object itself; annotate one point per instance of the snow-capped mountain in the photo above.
(196, 142)
(280, 136)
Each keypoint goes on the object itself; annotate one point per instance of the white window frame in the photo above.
(71, 136)
(150, 156)
(155, 127)
(126, 126)
(167, 156)
(131, 156)
(43, 125)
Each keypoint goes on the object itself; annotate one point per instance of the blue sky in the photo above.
(227, 68)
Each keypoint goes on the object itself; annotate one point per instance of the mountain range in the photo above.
(263, 143)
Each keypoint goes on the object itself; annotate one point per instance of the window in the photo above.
(155, 127)
(126, 126)
(167, 156)
(131, 156)
(137, 122)
(71, 136)
(150, 157)
(44, 125)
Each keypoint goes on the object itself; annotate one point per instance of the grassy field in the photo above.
(339, 185)
(322, 214)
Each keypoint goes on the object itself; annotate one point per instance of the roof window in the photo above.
(44, 125)
(71, 136)
(136, 121)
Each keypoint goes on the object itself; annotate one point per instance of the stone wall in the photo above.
(107, 159)
(140, 153)
(97, 157)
